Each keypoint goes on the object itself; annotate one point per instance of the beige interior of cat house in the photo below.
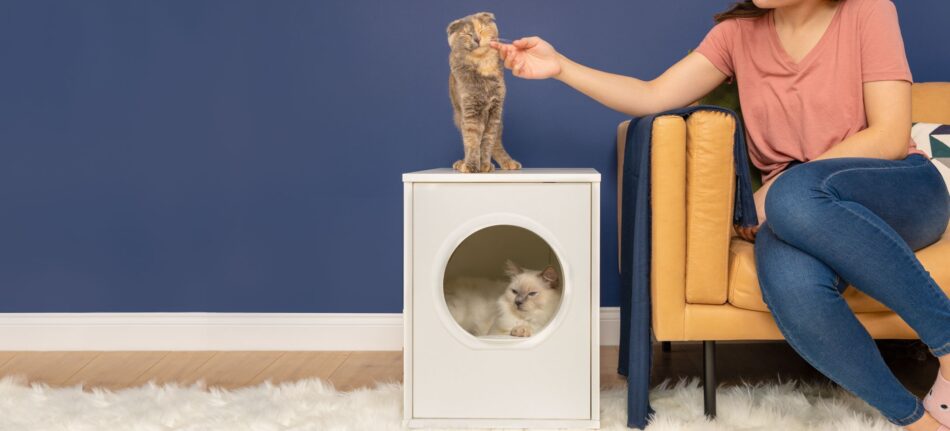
(483, 255)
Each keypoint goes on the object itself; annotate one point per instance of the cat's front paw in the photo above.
(511, 165)
(521, 331)
(463, 167)
(489, 168)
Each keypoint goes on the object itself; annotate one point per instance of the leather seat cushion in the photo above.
(744, 289)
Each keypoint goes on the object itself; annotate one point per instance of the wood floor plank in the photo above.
(232, 369)
(366, 369)
(736, 363)
(609, 379)
(114, 370)
(6, 356)
(293, 366)
(173, 368)
(52, 368)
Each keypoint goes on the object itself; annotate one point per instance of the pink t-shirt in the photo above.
(797, 111)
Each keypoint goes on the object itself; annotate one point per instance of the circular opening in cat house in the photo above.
(503, 282)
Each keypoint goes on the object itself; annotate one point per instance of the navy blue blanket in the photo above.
(635, 316)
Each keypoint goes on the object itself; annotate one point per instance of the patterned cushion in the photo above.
(934, 139)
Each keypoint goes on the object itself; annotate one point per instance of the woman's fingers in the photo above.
(510, 61)
(505, 51)
(502, 52)
(751, 232)
(498, 47)
(509, 51)
(747, 233)
(514, 55)
(526, 42)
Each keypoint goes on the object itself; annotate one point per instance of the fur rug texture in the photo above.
(315, 405)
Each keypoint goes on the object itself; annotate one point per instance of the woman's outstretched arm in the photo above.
(683, 83)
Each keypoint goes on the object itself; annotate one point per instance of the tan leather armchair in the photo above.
(704, 285)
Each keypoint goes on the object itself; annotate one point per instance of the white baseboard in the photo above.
(218, 331)
(609, 326)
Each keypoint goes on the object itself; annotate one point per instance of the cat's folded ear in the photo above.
(485, 16)
(551, 276)
(454, 26)
(512, 269)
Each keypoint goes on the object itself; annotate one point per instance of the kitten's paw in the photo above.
(511, 165)
(521, 331)
(489, 168)
(463, 167)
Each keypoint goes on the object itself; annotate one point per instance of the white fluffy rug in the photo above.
(314, 405)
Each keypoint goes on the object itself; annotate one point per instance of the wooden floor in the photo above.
(736, 363)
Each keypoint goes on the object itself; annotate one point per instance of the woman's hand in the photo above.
(530, 58)
(747, 233)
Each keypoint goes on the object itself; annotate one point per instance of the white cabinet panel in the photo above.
(454, 378)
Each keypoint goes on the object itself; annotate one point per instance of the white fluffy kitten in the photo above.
(473, 302)
(519, 307)
(529, 302)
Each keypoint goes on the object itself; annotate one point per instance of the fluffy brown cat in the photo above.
(477, 91)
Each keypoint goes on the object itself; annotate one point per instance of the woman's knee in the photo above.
(795, 286)
(793, 203)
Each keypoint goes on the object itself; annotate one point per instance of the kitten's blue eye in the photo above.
(532, 293)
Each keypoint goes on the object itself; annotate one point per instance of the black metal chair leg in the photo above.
(709, 378)
(667, 346)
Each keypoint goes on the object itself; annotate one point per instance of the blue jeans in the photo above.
(830, 223)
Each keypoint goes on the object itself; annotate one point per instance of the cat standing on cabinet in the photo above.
(477, 91)
(519, 307)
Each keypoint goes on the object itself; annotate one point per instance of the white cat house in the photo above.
(469, 225)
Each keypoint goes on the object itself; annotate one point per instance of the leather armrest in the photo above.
(668, 195)
(693, 183)
(668, 184)
(710, 191)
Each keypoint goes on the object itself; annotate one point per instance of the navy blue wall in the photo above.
(241, 155)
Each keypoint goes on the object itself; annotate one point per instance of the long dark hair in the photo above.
(742, 9)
